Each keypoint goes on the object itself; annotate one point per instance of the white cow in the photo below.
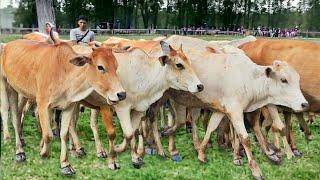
(233, 85)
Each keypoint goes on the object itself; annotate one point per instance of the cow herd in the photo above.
(227, 82)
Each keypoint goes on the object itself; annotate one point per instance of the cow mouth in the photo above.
(111, 102)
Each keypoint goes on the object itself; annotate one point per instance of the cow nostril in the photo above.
(305, 105)
(122, 95)
(200, 87)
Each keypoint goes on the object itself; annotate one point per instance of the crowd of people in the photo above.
(276, 32)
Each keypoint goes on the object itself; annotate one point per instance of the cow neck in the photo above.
(143, 79)
(260, 95)
(76, 85)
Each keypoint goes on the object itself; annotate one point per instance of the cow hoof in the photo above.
(137, 163)
(82, 109)
(297, 153)
(102, 154)
(44, 155)
(275, 159)
(56, 133)
(238, 162)
(258, 177)
(203, 159)
(20, 157)
(151, 151)
(176, 158)
(114, 166)
(68, 171)
(80, 153)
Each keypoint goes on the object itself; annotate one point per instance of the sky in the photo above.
(5, 3)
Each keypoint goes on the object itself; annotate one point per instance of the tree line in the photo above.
(180, 13)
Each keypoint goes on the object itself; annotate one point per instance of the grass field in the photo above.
(219, 164)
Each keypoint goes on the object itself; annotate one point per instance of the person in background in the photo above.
(48, 28)
(81, 34)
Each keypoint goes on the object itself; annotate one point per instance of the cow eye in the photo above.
(101, 69)
(180, 66)
(283, 80)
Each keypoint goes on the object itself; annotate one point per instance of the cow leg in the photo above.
(290, 134)
(206, 117)
(16, 121)
(237, 121)
(67, 117)
(45, 116)
(56, 122)
(195, 137)
(119, 148)
(213, 124)
(94, 127)
(303, 124)
(79, 150)
(147, 129)
(137, 160)
(21, 111)
(278, 128)
(174, 153)
(261, 139)
(156, 137)
(4, 95)
(126, 125)
(107, 121)
(235, 141)
(311, 117)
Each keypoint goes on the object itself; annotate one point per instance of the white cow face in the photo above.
(285, 86)
(179, 73)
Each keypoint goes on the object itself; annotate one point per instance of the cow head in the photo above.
(285, 86)
(101, 74)
(180, 74)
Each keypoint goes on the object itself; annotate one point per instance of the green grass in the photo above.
(219, 166)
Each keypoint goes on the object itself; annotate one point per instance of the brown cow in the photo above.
(55, 77)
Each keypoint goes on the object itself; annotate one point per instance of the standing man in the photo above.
(81, 34)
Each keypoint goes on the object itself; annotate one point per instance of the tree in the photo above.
(26, 14)
(45, 13)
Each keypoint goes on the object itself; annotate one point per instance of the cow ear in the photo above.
(80, 60)
(268, 71)
(164, 60)
(166, 48)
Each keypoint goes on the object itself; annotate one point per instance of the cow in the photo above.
(304, 56)
(145, 77)
(233, 85)
(55, 77)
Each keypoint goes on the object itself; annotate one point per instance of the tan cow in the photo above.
(56, 78)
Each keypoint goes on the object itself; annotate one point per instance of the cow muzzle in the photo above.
(116, 97)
